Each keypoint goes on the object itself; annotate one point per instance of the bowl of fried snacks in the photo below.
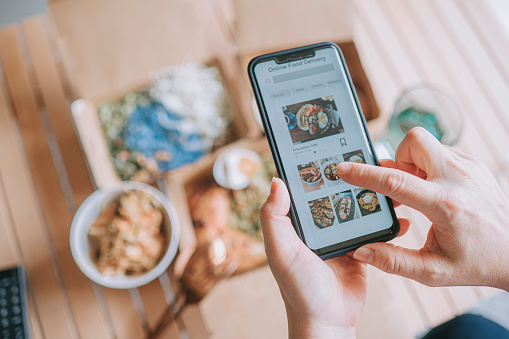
(125, 235)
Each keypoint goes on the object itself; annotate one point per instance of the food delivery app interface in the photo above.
(316, 125)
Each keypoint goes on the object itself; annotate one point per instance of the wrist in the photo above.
(315, 329)
(497, 274)
(501, 277)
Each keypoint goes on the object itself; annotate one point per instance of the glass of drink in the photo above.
(421, 106)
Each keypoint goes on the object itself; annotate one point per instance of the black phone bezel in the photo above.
(342, 247)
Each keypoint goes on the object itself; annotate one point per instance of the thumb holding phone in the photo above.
(323, 299)
(469, 235)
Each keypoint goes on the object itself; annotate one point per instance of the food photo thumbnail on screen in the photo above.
(355, 156)
(316, 175)
(312, 119)
(330, 170)
(367, 200)
(322, 212)
(344, 206)
(311, 176)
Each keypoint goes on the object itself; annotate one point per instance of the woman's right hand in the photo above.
(468, 242)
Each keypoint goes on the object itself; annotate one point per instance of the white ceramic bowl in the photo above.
(88, 212)
(316, 182)
(226, 169)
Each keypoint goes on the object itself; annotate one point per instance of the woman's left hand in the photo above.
(322, 299)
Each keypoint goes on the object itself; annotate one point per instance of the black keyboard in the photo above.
(13, 304)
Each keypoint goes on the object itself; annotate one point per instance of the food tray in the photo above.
(93, 140)
(181, 184)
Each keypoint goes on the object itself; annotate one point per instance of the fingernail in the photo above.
(273, 186)
(365, 255)
(344, 168)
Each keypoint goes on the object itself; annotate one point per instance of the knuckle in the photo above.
(265, 208)
(433, 277)
(435, 273)
(416, 134)
(461, 167)
(389, 263)
(448, 203)
(266, 211)
(363, 172)
(395, 182)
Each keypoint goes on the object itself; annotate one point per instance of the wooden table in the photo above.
(44, 178)
(455, 44)
(458, 46)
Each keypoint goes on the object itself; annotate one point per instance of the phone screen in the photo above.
(316, 125)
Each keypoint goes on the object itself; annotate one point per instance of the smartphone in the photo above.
(313, 121)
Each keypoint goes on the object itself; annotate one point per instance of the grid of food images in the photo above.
(322, 173)
(313, 119)
(342, 206)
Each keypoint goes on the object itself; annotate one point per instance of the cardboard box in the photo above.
(93, 140)
(108, 56)
(266, 25)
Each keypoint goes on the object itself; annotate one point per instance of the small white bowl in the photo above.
(87, 214)
(226, 170)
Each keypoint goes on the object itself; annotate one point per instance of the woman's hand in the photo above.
(322, 299)
(468, 242)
